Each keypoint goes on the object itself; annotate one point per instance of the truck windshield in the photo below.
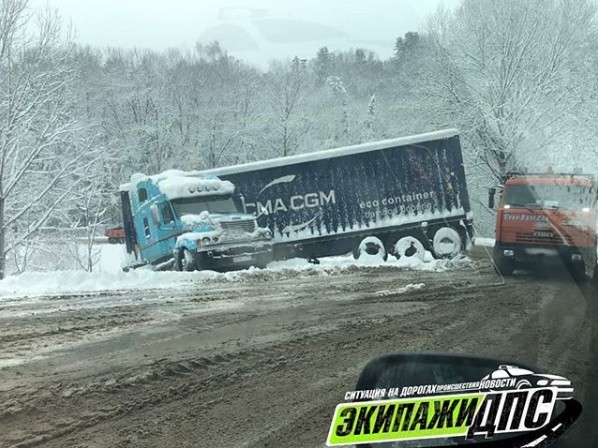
(568, 197)
(212, 204)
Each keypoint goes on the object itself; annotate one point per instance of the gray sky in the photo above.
(255, 30)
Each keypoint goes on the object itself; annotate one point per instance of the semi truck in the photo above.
(190, 221)
(545, 218)
(401, 196)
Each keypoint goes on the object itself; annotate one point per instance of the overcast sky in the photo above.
(256, 30)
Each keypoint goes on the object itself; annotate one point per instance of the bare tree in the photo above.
(43, 153)
(286, 92)
(90, 200)
(338, 87)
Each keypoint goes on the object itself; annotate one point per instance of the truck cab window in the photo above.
(142, 194)
(146, 228)
(212, 204)
(167, 215)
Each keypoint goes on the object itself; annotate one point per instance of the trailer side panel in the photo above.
(358, 193)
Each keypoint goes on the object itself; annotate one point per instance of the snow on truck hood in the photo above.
(204, 225)
(190, 220)
(183, 184)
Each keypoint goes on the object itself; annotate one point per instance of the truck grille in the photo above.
(247, 226)
(538, 238)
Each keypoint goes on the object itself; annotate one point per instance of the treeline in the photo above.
(204, 108)
(519, 79)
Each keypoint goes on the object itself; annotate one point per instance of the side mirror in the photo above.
(491, 194)
(262, 211)
(155, 214)
(242, 199)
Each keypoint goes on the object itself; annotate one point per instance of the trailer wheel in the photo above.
(371, 246)
(408, 247)
(447, 243)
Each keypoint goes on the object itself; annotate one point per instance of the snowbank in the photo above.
(331, 264)
(72, 282)
(108, 275)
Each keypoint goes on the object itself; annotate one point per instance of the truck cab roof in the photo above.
(550, 179)
(176, 184)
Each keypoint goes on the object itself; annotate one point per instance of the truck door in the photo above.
(128, 223)
(169, 227)
(159, 231)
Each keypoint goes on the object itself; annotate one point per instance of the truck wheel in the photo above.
(185, 261)
(410, 246)
(447, 243)
(503, 266)
(371, 246)
(578, 272)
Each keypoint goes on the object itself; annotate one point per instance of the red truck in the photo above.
(115, 235)
(546, 218)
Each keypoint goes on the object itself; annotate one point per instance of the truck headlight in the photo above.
(268, 233)
(206, 240)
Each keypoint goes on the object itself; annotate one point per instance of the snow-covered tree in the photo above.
(506, 75)
(286, 90)
(43, 146)
(370, 120)
(338, 87)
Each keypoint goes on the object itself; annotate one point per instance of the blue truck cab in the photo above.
(190, 221)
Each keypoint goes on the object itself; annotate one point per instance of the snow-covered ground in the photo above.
(108, 275)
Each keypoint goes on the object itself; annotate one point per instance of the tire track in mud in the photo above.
(349, 339)
(162, 370)
(452, 339)
(307, 352)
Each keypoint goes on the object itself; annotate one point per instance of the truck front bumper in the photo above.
(534, 255)
(235, 257)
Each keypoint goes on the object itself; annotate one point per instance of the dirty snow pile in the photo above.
(340, 263)
(73, 282)
(402, 290)
(108, 275)
(484, 242)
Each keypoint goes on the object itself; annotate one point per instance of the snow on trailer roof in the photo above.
(337, 152)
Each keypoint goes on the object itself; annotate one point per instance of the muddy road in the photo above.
(264, 360)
